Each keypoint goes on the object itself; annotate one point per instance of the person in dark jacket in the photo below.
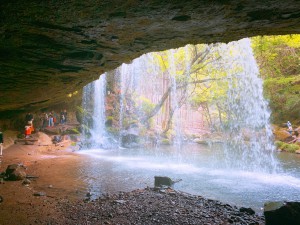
(66, 116)
(28, 117)
(1, 142)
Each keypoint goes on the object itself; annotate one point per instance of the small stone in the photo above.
(39, 193)
(247, 210)
(26, 182)
(120, 201)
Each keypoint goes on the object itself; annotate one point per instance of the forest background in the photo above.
(278, 58)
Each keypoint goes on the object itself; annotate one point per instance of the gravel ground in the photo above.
(155, 206)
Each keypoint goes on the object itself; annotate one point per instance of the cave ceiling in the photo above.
(51, 48)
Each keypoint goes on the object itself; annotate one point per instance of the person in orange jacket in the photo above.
(28, 130)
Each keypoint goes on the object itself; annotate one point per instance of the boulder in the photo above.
(162, 181)
(281, 134)
(282, 213)
(130, 137)
(15, 172)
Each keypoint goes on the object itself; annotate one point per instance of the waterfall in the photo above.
(174, 100)
(247, 135)
(249, 143)
(94, 102)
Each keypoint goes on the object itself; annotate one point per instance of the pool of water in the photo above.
(201, 168)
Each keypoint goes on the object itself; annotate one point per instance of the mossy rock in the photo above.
(109, 121)
(165, 141)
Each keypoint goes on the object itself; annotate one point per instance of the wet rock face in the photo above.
(49, 49)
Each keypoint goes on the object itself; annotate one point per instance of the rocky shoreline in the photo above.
(156, 206)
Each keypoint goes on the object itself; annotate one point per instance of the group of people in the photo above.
(52, 118)
(46, 120)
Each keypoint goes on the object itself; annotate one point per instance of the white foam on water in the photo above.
(222, 176)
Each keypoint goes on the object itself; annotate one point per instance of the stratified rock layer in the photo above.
(49, 49)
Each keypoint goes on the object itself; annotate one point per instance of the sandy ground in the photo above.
(50, 164)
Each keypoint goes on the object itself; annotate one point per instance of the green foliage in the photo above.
(165, 142)
(283, 93)
(287, 147)
(277, 55)
(279, 144)
(291, 148)
(278, 58)
(145, 104)
(75, 131)
(81, 113)
(127, 122)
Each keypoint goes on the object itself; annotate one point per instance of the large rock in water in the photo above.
(51, 49)
(163, 181)
(15, 172)
(130, 137)
(282, 213)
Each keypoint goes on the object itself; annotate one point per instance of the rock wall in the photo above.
(50, 49)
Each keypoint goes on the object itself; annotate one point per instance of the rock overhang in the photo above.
(52, 48)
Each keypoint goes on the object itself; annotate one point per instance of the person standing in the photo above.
(62, 117)
(290, 128)
(51, 124)
(66, 116)
(28, 118)
(28, 130)
(45, 120)
(1, 142)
